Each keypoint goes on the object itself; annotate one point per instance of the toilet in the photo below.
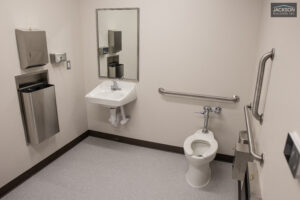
(199, 149)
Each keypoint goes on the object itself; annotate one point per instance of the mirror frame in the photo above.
(138, 40)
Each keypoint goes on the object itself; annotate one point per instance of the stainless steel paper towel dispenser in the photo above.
(114, 41)
(39, 103)
(32, 48)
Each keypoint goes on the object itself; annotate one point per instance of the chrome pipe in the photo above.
(259, 82)
(250, 139)
(205, 127)
(234, 99)
(207, 110)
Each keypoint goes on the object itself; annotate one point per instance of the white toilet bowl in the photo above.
(200, 149)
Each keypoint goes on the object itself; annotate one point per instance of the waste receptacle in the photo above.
(39, 104)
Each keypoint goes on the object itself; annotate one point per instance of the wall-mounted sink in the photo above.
(105, 96)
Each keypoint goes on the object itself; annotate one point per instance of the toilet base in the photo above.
(198, 177)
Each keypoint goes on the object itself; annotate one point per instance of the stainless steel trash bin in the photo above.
(39, 103)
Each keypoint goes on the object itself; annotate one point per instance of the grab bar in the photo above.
(259, 82)
(249, 133)
(234, 99)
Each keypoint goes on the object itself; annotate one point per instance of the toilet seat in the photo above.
(205, 138)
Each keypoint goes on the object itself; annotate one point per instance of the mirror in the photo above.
(118, 42)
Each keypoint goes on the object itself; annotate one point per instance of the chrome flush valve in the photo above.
(207, 110)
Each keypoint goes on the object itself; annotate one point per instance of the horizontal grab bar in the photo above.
(251, 147)
(234, 99)
(259, 82)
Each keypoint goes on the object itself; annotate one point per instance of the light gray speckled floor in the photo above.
(98, 169)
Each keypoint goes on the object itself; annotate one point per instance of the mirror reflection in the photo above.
(118, 43)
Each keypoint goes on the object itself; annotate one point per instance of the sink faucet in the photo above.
(115, 86)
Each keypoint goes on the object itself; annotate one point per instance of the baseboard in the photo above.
(239, 191)
(36, 168)
(137, 142)
(153, 145)
(224, 158)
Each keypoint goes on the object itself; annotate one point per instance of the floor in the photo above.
(107, 170)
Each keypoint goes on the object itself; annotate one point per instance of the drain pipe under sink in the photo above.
(116, 117)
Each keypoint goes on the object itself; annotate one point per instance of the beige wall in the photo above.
(281, 103)
(192, 46)
(59, 18)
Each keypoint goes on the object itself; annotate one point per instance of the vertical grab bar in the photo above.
(249, 133)
(259, 82)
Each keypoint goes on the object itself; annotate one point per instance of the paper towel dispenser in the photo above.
(32, 48)
(114, 41)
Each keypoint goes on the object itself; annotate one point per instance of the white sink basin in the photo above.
(105, 96)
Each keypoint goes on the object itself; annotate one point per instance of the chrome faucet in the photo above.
(115, 86)
(207, 110)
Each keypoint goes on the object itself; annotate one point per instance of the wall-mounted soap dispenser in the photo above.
(32, 48)
(103, 50)
(56, 58)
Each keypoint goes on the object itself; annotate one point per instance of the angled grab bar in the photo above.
(259, 82)
(234, 99)
(256, 156)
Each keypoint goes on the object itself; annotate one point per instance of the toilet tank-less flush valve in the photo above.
(205, 112)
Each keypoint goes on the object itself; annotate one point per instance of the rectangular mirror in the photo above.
(118, 42)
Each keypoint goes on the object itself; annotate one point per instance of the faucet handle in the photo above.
(208, 109)
(218, 110)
